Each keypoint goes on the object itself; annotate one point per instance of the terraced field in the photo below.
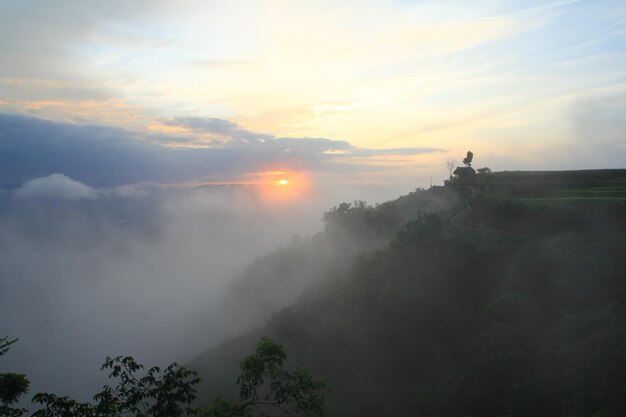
(592, 186)
(614, 190)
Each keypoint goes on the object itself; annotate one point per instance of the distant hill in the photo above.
(505, 296)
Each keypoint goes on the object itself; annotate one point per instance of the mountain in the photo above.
(506, 298)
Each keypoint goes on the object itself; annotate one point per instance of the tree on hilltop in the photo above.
(466, 172)
(468, 159)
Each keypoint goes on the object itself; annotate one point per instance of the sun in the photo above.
(283, 187)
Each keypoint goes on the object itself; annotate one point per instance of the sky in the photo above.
(370, 93)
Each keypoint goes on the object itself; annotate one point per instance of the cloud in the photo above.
(137, 271)
(56, 186)
(38, 41)
(226, 130)
(95, 155)
(107, 157)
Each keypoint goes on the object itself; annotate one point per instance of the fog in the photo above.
(133, 270)
(110, 245)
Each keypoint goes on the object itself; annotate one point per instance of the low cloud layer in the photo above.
(88, 272)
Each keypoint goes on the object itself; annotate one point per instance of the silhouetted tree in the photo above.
(266, 389)
(12, 385)
(155, 394)
(468, 159)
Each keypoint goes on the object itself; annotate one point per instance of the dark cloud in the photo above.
(106, 156)
(96, 155)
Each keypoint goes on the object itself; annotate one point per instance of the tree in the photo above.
(450, 166)
(156, 394)
(424, 227)
(12, 385)
(266, 389)
(334, 216)
(485, 170)
(468, 159)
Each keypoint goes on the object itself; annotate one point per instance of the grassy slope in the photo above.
(522, 311)
(556, 185)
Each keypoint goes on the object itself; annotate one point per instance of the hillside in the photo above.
(308, 264)
(511, 301)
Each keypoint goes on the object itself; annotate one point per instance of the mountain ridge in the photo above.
(519, 310)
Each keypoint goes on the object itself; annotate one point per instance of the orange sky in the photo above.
(513, 81)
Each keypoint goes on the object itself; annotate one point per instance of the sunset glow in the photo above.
(277, 189)
(375, 89)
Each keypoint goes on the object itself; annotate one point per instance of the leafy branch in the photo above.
(265, 388)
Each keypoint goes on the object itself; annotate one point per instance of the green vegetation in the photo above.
(266, 389)
(506, 302)
(574, 186)
(501, 294)
(308, 264)
(12, 385)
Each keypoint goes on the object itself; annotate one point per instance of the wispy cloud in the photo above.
(399, 74)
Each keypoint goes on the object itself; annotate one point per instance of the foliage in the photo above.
(12, 385)
(307, 264)
(266, 388)
(468, 159)
(553, 184)
(425, 226)
(158, 394)
(519, 310)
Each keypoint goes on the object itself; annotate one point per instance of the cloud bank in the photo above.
(88, 272)
(204, 150)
